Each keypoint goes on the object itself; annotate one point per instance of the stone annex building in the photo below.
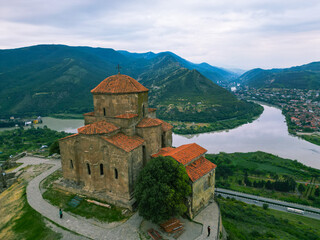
(105, 157)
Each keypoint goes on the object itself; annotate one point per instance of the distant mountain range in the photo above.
(46, 79)
(302, 77)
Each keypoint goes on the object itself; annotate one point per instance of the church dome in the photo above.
(119, 84)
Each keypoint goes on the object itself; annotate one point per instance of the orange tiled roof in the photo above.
(185, 153)
(127, 115)
(162, 152)
(124, 142)
(152, 109)
(119, 84)
(166, 126)
(69, 136)
(149, 122)
(89, 114)
(199, 168)
(98, 128)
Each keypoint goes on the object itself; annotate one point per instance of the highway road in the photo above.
(310, 212)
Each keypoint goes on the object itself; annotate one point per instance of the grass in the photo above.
(243, 221)
(315, 139)
(20, 221)
(84, 209)
(259, 166)
(11, 169)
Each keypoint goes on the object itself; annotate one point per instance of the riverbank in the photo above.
(228, 124)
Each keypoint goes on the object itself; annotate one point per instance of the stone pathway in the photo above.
(209, 217)
(90, 229)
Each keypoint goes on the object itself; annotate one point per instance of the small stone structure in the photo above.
(120, 136)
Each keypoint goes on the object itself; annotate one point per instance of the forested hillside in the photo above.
(302, 77)
(46, 79)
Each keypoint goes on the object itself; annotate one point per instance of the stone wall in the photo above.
(202, 192)
(167, 139)
(111, 105)
(100, 166)
(152, 137)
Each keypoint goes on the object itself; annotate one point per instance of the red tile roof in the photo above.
(166, 126)
(162, 152)
(127, 115)
(124, 142)
(149, 122)
(98, 128)
(185, 153)
(199, 168)
(89, 114)
(69, 136)
(119, 84)
(152, 109)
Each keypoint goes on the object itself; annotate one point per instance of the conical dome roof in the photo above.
(119, 84)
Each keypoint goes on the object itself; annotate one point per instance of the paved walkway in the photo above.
(128, 230)
(209, 217)
(92, 229)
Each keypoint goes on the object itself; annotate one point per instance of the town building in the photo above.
(120, 136)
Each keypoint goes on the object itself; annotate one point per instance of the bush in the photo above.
(265, 206)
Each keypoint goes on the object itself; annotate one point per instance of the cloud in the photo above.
(242, 33)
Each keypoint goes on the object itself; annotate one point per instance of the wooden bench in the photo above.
(172, 225)
(154, 234)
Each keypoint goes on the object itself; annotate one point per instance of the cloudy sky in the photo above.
(228, 33)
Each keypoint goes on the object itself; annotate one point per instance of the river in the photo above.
(268, 134)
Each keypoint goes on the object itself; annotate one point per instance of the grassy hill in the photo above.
(302, 77)
(187, 95)
(47, 79)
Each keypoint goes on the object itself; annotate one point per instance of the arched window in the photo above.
(101, 169)
(104, 111)
(71, 164)
(88, 168)
(115, 173)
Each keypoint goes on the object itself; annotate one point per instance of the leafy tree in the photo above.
(317, 192)
(301, 188)
(54, 148)
(269, 185)
(161, 189)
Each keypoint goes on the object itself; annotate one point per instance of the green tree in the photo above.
(161, 189)
(54, 148)
(317, 192)
(301, 188)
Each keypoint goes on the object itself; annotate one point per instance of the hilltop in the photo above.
(302, 77)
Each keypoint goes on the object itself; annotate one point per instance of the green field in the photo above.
(244, 221)
(266, 175)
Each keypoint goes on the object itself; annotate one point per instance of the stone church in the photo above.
(120, 136)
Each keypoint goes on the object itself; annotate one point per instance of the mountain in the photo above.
(302, 77)
(46, 79)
